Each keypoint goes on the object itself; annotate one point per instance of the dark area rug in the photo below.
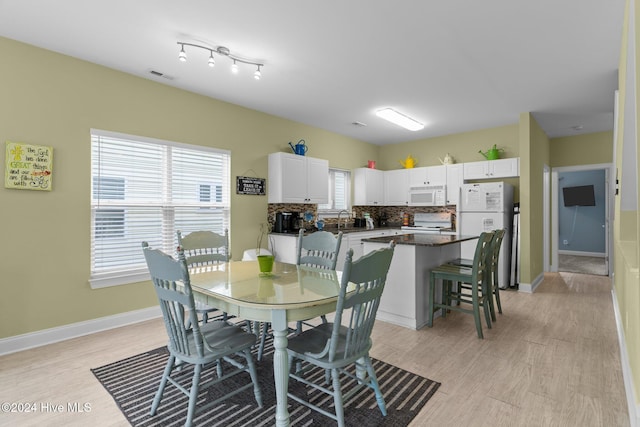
(132, 383)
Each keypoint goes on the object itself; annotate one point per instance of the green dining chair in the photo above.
(319, 249)
(195, 344)
(202, 248)
(347, 341)
(458, 298)
(494, 270)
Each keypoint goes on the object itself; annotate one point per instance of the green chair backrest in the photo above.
(204, 247)
(482, 257)
(175, 299)
(319, 249)
(368, 274)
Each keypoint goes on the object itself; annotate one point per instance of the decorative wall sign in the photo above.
(28, 167)
(249, 185)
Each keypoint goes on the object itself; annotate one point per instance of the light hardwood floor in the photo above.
(552, 359)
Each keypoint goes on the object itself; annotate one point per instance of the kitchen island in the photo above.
(404, 300)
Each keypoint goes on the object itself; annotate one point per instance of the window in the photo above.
(108, 222)
(144, 189)
(339, 193)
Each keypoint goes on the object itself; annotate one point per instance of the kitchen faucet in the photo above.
(340, 214)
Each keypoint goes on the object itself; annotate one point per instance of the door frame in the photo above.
(555, 233)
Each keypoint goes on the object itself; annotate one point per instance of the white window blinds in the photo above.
(339, 191)
(144, 189)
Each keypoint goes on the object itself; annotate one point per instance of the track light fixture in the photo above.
(222, 51)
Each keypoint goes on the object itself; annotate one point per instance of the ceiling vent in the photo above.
(159, 74)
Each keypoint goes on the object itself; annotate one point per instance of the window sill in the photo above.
(107, 280)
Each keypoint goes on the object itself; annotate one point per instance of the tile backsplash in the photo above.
(393, 213)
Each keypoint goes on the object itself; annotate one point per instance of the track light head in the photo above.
(182, 56)
(212, 62)
(234, 67)
(257, 74)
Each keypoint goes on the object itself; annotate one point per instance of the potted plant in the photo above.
(264, 260)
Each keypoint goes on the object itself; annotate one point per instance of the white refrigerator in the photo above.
(485, 207)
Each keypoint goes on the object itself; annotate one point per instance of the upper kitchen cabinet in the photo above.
(396, 187)
(491, 169)
(430, 175)
(368, 187)
(455, 179)
(298, 179)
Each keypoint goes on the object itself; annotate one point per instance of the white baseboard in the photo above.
(530, 288)
(580, 253)
(74, 330)
(634, 408)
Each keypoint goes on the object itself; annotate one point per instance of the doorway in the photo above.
(581, 230)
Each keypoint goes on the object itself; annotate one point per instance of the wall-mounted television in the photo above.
(581, 195)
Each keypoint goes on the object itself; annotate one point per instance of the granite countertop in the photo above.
(421, 239)
(345, 230)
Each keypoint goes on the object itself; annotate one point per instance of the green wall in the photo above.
(463, 147)
(51, 99)
(534, 155)
(589, 149)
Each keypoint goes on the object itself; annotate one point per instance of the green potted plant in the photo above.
(265, 261)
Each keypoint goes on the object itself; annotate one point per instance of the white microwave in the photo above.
(428, 195)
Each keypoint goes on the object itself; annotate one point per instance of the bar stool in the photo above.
(496, 244)
(474, 276)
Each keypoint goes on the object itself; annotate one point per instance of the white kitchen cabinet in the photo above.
(396, 187)
(297, 179)
(455, 179)
(284, 247)
(353, 241)
(491, 169)
(429, 175)
(368, 187)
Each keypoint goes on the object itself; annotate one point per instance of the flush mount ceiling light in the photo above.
(399, 119)
(224, 52)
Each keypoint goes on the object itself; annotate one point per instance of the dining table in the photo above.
(287, 294)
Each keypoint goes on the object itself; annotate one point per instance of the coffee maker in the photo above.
(296, 222)
(283, 223)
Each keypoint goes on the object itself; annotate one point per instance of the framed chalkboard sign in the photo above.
(249, 185)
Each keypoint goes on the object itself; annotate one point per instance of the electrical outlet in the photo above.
(565, 242)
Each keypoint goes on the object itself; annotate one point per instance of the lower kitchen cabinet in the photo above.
(284, 247)
(353, 241)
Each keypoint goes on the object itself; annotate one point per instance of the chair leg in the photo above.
(376, 388)
(476, 312)
(432, 294)
(163, 382)
(487, 302)
(254, 376)
(486, 307)
(337, 397)
(193, 395)
(263, 337)
(496, 292)
(298, 327)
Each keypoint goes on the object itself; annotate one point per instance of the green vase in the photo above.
(266, 263)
